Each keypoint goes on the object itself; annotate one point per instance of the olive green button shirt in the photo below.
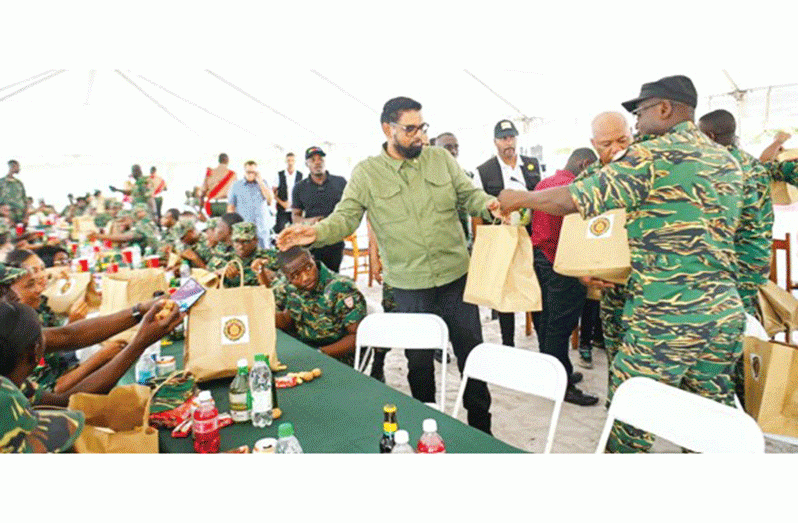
(412, 206)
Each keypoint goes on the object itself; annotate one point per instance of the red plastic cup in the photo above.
(74, 247)
(113, 268)
(127, 255)
(84, 265)
(153, 262)
(96, 248)
(108, 244)
(20, 229)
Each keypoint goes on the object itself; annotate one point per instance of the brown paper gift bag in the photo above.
(66, 288)
(117, 422)
(82, 226)
(778, 307)
(771, 385)
(596, 247)
(129, 287)
(783, 193)
(205, 278)
(226, 325)
(501, 274)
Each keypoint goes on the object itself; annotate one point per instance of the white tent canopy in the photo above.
(79, 130)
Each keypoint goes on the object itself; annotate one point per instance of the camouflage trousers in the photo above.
(696, 352)
(611, 314)
(748, 293)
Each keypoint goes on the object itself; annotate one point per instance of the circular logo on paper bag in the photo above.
(234, 329)
(756, 366)
(599, 226)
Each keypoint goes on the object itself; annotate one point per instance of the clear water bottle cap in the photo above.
(205, 395)
(285, 429)
(401, 437)
(430, 425)
(242, 363)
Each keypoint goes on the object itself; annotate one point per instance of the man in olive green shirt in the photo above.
(412, 194)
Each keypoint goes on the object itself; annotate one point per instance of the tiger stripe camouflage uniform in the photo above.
(141, 192)
(12, 193)
(145, 232)
(321, 316)
(684, 318)
(784, 171)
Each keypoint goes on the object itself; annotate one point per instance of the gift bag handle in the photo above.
(240, 273)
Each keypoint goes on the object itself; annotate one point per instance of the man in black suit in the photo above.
(286, 180)
(507, 170)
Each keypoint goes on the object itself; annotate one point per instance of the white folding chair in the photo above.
(688, 420)
(522, 370)
(406, 330)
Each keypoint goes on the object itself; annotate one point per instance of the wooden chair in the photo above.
(356, 254)
(781, 245)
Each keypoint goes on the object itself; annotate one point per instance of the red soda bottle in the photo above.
(430, 441)
(206, 425)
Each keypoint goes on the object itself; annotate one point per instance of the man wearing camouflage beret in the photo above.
(246, 251)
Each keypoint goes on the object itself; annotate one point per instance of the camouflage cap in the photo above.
(182, 226)
(25, 430)
(140, 207)
(9, 275)
(244, 231)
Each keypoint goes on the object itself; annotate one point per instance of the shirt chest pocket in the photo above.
(442, 193)
(389, 206)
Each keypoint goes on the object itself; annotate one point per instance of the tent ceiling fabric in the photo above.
(192, 115)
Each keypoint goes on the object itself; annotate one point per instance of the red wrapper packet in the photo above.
(285, 382)
(225, 419)
(183, 429)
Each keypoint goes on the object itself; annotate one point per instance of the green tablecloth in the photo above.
(340, 412)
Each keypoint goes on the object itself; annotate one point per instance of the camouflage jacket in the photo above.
(47, 317)
(12, 193)
(784, 171)
(141, 192)
(754, 237)
(322, 315)
(250, 278)
(200, 248)
(145, 234)
(682, 195)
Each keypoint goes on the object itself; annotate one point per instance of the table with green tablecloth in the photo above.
(340, 412)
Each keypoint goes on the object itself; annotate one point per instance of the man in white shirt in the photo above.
(507, 170)
(283, 187)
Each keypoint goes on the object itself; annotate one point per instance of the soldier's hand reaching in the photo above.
(782, 137)
(231, 271)
(264, 274)
(296, 235)
(511, 200)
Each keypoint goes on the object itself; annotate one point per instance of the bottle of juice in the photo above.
(240, 400)
(206, 425)
(430, 442)
(389, 427)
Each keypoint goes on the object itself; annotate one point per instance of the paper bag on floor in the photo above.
(771, 385)
(117, 422)
(597, 247)
(501, 273)
(226, 325)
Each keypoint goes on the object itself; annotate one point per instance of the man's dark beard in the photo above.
(408, 152)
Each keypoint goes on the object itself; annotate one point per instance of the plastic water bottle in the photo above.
(145, 369)
(402, 443)
(260, 389)
(185, 272)
(287, 442)
(430, 442)
(206, 425)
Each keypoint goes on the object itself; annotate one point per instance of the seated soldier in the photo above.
(168, 221)
(190, 245)
(22, 429)
(224, 229)
(55, 379)
(209, 232)
(141, 230)
(245, 251)
(322, 308)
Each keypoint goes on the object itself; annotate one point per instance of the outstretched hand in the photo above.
(296, 235)
(511, 200)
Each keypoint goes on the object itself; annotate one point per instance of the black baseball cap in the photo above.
(313, 150)
(504, 128)
(676, 88)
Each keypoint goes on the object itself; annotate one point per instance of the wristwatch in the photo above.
(136, 312)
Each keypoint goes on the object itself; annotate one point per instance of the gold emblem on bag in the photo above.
(600, 226)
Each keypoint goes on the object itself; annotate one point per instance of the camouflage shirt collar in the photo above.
(324, 278)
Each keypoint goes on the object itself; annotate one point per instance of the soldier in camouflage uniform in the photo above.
(190, 245)
(682, 194)
(12, 193)
(246, 251)
(140, 229)
(322, 308)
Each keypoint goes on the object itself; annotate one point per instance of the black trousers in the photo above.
(507, 327)
(465, 333)
(563, 299)
(330, 255)
(590, 324)
(281, 220)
